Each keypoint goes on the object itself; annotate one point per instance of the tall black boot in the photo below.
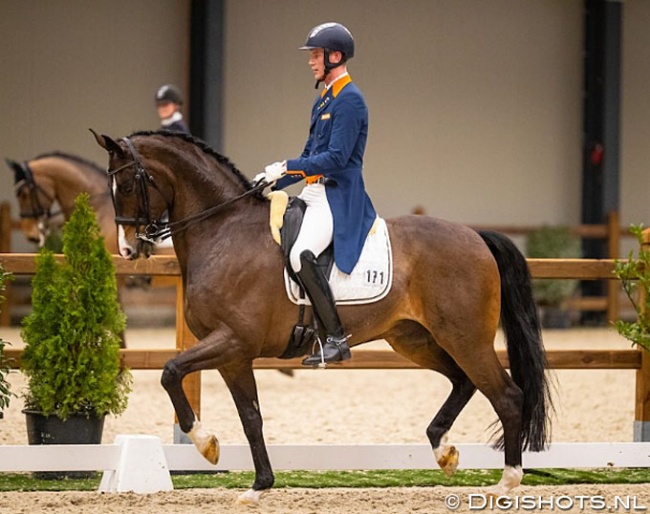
(318, 290)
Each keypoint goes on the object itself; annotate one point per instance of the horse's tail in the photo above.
(520, 323)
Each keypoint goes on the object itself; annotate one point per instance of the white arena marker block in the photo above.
(142, 467)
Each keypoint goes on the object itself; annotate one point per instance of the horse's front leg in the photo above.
(241, 383)
(223, 351)
(203, 355)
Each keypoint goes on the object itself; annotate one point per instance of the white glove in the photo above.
(258, 178)
(275, 171)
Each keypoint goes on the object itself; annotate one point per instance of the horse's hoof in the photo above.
(206, 442)
(448, 461)
(510, 479)
(210, 449)
(250, 498)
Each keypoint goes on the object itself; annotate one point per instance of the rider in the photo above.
(338, 207)
(168, 105)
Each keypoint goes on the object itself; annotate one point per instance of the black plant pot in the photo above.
(77, 429)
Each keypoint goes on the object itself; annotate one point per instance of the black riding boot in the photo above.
(318, 290)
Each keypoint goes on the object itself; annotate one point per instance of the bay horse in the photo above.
(55, 179)
(451, 288)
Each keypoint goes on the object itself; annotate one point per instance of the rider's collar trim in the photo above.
(337, 85)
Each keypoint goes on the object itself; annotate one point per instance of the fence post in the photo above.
(192, 382)
(642, 409)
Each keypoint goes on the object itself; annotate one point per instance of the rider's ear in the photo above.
(108, 144)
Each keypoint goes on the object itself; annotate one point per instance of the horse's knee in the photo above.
(171, 376)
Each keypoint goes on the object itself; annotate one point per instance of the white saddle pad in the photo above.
(370, 280)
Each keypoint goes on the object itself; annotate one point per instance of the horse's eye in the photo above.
(126, 187)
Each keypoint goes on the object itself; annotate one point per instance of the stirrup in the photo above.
(342, 352)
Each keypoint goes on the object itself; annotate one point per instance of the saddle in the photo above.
(370, 281)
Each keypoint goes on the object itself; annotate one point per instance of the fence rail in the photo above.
(585, 269)
(611, 232)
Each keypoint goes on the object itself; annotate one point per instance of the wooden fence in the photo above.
(583, 269)
(611, 232)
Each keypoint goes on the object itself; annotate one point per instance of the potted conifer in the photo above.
(5, 386)
(552, 295)
(72, 338)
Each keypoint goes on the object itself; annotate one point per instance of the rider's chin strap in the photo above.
(328, 66)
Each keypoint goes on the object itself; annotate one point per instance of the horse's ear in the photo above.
(12, 164)
(19, 170)
(107, 143)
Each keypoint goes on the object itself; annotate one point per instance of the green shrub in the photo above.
(634, 274)
(72, 335)
(553, 242)
(5, 386)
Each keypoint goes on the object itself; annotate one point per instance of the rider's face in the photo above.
(317, 63)
(165, 109)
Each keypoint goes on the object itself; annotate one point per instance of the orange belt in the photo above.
(315, 179)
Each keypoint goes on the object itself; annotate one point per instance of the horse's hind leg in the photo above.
(461, 392)
(414, 342)
(485, 370)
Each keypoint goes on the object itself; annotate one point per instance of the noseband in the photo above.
(158, 229)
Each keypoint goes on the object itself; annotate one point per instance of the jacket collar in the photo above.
(337, 86)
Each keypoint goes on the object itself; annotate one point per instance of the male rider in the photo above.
(338, 207)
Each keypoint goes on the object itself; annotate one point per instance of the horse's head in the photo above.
(139, 205)
(35, 203)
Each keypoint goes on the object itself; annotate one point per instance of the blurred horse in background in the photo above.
(46, 187)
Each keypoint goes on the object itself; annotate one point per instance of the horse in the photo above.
(57, 178)
(451, 287)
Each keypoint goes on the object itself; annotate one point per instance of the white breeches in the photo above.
(317, 227)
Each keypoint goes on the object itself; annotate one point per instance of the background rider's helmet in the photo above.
(331, 37)
(169, 93)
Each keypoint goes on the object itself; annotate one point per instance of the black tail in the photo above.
(520, 324)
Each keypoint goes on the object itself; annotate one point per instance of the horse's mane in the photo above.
(202, 145)
(74, 158)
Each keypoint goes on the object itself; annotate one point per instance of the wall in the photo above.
(475, 107)
(635, 114)
(71, 65)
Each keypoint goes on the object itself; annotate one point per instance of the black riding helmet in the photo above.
(169, 93)
(331, 37)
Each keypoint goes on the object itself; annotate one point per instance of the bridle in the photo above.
(37, 212)
(153, 230)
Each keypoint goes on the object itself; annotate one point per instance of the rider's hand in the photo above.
(274, 171)
(258, 178)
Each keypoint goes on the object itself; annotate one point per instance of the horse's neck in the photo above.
(69, 180)
(241, 227)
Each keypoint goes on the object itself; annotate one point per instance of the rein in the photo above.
(155, 230)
